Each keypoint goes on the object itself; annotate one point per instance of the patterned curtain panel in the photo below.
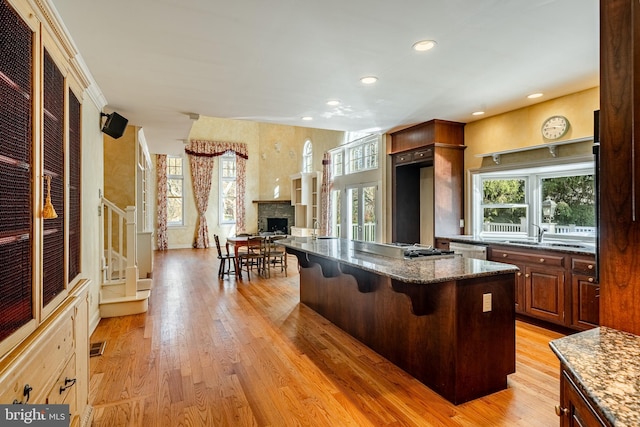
(201, 154)
(325, 196)
(161, 177)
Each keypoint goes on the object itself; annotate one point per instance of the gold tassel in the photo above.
(48, 212)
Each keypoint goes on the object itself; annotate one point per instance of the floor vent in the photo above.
(97, 348)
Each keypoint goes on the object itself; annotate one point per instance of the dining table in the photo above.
(237, 242)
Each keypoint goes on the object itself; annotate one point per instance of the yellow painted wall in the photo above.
(120, 168)
(521, 128)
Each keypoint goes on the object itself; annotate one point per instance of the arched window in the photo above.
(307, 156)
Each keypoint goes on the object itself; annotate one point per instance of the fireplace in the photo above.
(277, 225)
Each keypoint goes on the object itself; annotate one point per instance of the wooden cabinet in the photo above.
(585, 294)
(305, 198)
(52, 365)
(619, 183)
(540, 283)
(575, 410)
(553, 286)
(428, 171)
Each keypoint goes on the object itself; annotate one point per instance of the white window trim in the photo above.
(307, 157)
(228, 156)
(535, 175)
(180, 223)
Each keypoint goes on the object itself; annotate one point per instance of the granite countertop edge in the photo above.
(476, 240)
(605, 363)
(426, 270)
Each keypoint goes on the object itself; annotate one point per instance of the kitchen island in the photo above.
(446, 320)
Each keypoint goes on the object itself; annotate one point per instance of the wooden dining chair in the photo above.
(253, 257)
(275, 255)
(226, 259)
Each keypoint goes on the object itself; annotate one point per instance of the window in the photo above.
(337, 161)
(363, 154)
(228, 188)
(175, 186)
(357, 156)
(511, 202)
(307, 156)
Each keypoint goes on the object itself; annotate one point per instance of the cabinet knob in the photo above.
(591, 279)
(505, 255)
(541, 259)
(560, 411)
(526, 275)
(519, 274)
(590, 266)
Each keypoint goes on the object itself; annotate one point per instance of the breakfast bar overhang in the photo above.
(447, 321)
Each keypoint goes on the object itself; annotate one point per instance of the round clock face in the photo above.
(555, 127)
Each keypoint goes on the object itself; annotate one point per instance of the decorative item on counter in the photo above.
(48, 212)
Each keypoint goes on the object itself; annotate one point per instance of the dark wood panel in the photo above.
(419, 135)
(619, 225)
(448, 190)
(585, 310)
(576, 410)
(545, 293)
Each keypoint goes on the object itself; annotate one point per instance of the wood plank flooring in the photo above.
(213, 352)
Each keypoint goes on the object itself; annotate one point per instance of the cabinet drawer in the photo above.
(542, 258)
(64, 389)
(583, 266)
(53, 344)
(403, 158)
(421, 155)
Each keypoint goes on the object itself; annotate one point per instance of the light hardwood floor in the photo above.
(213, 352)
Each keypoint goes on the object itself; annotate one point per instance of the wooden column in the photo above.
(619, 223)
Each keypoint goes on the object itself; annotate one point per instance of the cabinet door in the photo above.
(575, 410)
(544, 289)
(585, 310)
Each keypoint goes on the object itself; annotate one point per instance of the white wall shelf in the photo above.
(550, 145)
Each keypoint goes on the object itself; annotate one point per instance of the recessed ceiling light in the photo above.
(333, 102)
(535, 95)
(477, 113)
(368, 80)
(424, 45)
(307, 118)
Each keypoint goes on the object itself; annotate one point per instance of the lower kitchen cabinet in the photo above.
(540, 286)
(585, 294)
(553, 286)
(544, 290)
(575, 410)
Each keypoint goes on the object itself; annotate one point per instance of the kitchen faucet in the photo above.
(540, 232)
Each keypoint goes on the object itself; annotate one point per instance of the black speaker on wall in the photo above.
(115, 124)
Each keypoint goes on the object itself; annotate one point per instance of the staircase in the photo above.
(122, 292)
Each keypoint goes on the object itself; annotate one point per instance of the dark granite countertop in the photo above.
(565, 246)
(606, 363)
(417, 270)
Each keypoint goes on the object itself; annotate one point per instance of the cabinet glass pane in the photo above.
(53, 280)
(16, 115)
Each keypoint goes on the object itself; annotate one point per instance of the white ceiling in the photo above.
(276, 61)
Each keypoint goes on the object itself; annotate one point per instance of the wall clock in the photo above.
(555, 127)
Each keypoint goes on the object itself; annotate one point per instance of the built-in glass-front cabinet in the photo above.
(43, 299)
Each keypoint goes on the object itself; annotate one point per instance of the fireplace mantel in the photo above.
(272, 201)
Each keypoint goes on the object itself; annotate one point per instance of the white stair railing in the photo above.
(119, 255)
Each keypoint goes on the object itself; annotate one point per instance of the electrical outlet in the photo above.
(462, 223)
(486, 303)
